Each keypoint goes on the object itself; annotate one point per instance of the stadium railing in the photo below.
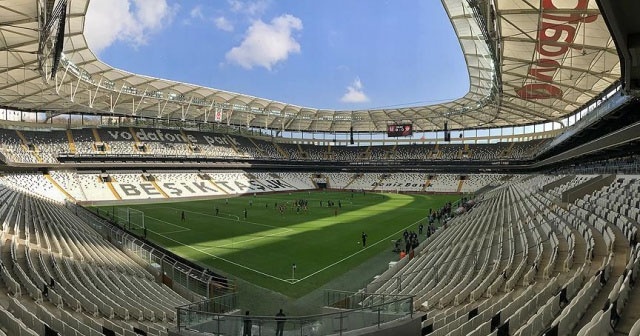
(193, 282)
(348, 311)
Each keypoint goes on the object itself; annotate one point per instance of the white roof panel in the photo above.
(554, 56)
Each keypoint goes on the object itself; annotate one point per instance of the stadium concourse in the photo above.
(51, 145)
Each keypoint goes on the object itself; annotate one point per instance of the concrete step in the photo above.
(631, 312)
(579, 257)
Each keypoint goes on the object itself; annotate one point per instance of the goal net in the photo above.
(131, 219)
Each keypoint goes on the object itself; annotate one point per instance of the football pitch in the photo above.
(322, 241)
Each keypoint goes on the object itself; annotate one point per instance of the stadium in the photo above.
(135, 205)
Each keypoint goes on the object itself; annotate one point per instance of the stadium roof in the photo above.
(551, 61)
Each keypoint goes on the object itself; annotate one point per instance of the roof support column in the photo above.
(206, 113)
(161, 110)
(74, 90)
(95, 94)
(59, 81)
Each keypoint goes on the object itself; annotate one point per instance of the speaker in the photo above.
(447, 134)
(351, 135)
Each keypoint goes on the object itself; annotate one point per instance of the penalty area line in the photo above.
(248, 240)
(358, 252)
(221, 258)
(184, 228)
(176, 231)
(238, 218)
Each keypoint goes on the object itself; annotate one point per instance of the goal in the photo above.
(130, 218)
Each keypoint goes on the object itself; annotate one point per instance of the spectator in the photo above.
(246, 322)
(280, 319)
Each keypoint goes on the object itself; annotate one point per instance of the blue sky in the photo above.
(335, 54)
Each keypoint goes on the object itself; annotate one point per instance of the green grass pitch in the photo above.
(323, 242)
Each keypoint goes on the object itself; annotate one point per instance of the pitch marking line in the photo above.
(221, 258)
(176, 231)
(290, 281)
(183, 228)
(243, 221)
(284, 230)
(344, 202)
(247, 240)
(237, 218)
(353, 254)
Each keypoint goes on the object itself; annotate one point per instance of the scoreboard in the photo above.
(399, 130)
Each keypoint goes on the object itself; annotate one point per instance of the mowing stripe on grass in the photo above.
(344, 202)
(353, 254)
(248, 240)
(244, 221)
(182, 228)
(249, 248)
(290, 281)
(220, 258)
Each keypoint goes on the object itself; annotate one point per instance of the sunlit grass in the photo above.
(323, 242)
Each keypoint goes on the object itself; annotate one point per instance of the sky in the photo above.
(330, 54)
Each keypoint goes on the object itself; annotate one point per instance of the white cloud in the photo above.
(236, 5)
(153, 14)
(355, 93)
(223, 23)
(266, 44)
(131, 21)
(196, 12)
(252, 8)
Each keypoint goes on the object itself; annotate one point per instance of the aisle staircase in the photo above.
(260, 150)
(280, 150)
(72, 143)
(427, 183)
(57, 186)
(353, 179)
(233, 145)
(112, 188)
(26, 148)
(460, 184)
(380, 180)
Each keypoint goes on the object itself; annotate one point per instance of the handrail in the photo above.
(372, 310)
